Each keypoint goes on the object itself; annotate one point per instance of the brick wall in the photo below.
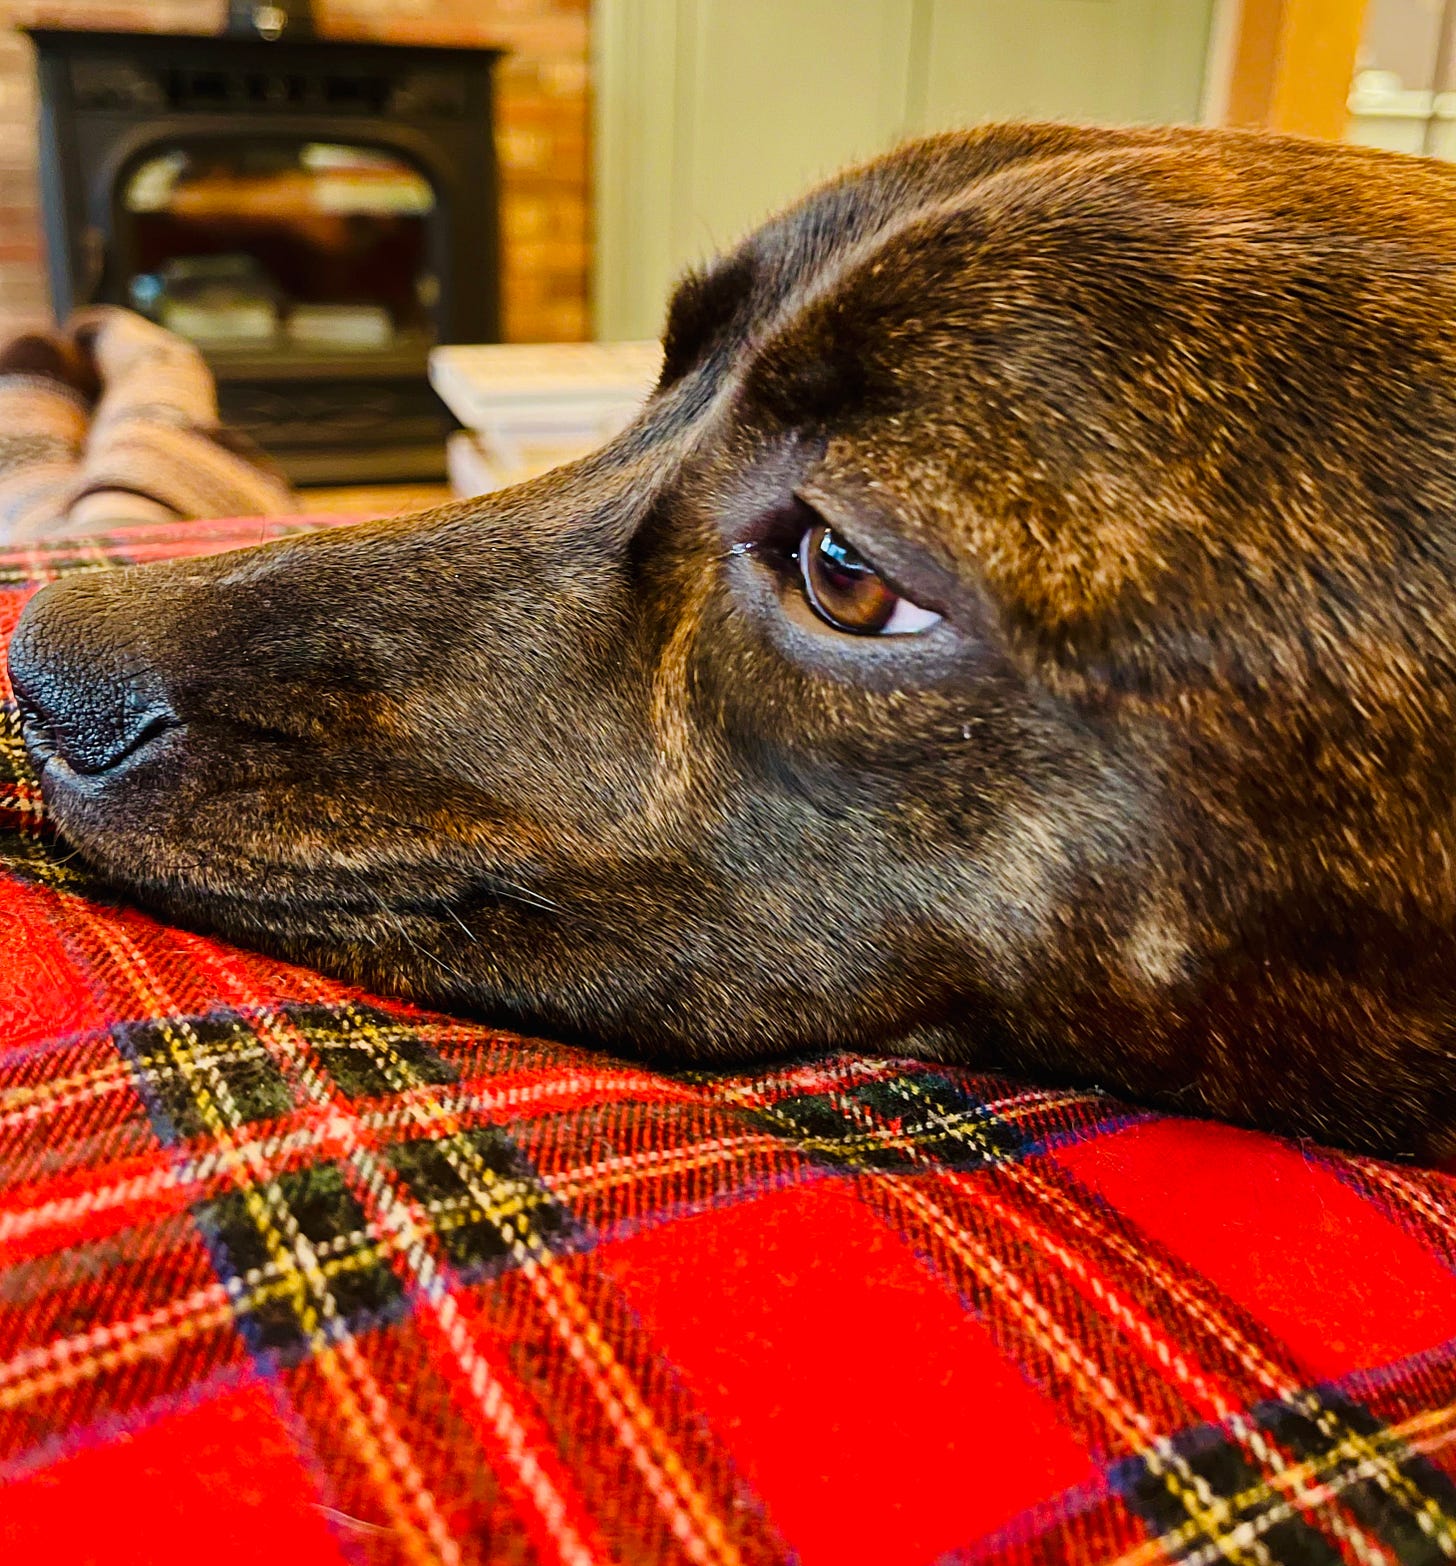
(541, 130)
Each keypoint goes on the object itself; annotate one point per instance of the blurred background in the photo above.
(711, 112)
(321, 195)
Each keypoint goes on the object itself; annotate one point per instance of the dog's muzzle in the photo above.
(87, 695)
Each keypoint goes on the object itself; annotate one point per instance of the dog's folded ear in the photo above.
(705, 307)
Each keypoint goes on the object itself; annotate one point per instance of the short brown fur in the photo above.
(1162, 422)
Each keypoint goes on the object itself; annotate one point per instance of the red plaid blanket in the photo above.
(294, 1274)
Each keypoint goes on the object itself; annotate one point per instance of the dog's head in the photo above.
(1019, 626)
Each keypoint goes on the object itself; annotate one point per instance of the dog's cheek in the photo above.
(1158, 952)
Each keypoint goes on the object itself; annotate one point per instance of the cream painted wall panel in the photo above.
(710, 114)
(636, 152)
(782, 93)
(1110, 60)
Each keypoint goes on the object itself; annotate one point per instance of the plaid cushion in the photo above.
(293, 1273)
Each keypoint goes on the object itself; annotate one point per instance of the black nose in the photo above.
(86, 691)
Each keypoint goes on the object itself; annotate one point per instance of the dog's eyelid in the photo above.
(906, 569)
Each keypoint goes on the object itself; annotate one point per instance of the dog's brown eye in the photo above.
(846, 591)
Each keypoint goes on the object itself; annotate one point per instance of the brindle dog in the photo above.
(1019, 628)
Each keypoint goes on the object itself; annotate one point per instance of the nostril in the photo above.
(154, 728)
(151, 728)
(100, 742)
(85, 696)
(105, 752)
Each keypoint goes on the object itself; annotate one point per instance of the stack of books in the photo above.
(527, 407)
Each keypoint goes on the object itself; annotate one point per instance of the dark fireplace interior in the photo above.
(314, 215)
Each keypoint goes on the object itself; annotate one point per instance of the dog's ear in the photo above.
(705, 307)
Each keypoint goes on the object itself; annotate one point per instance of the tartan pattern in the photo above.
(288, 1270)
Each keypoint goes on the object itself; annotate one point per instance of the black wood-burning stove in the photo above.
(314, 214)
